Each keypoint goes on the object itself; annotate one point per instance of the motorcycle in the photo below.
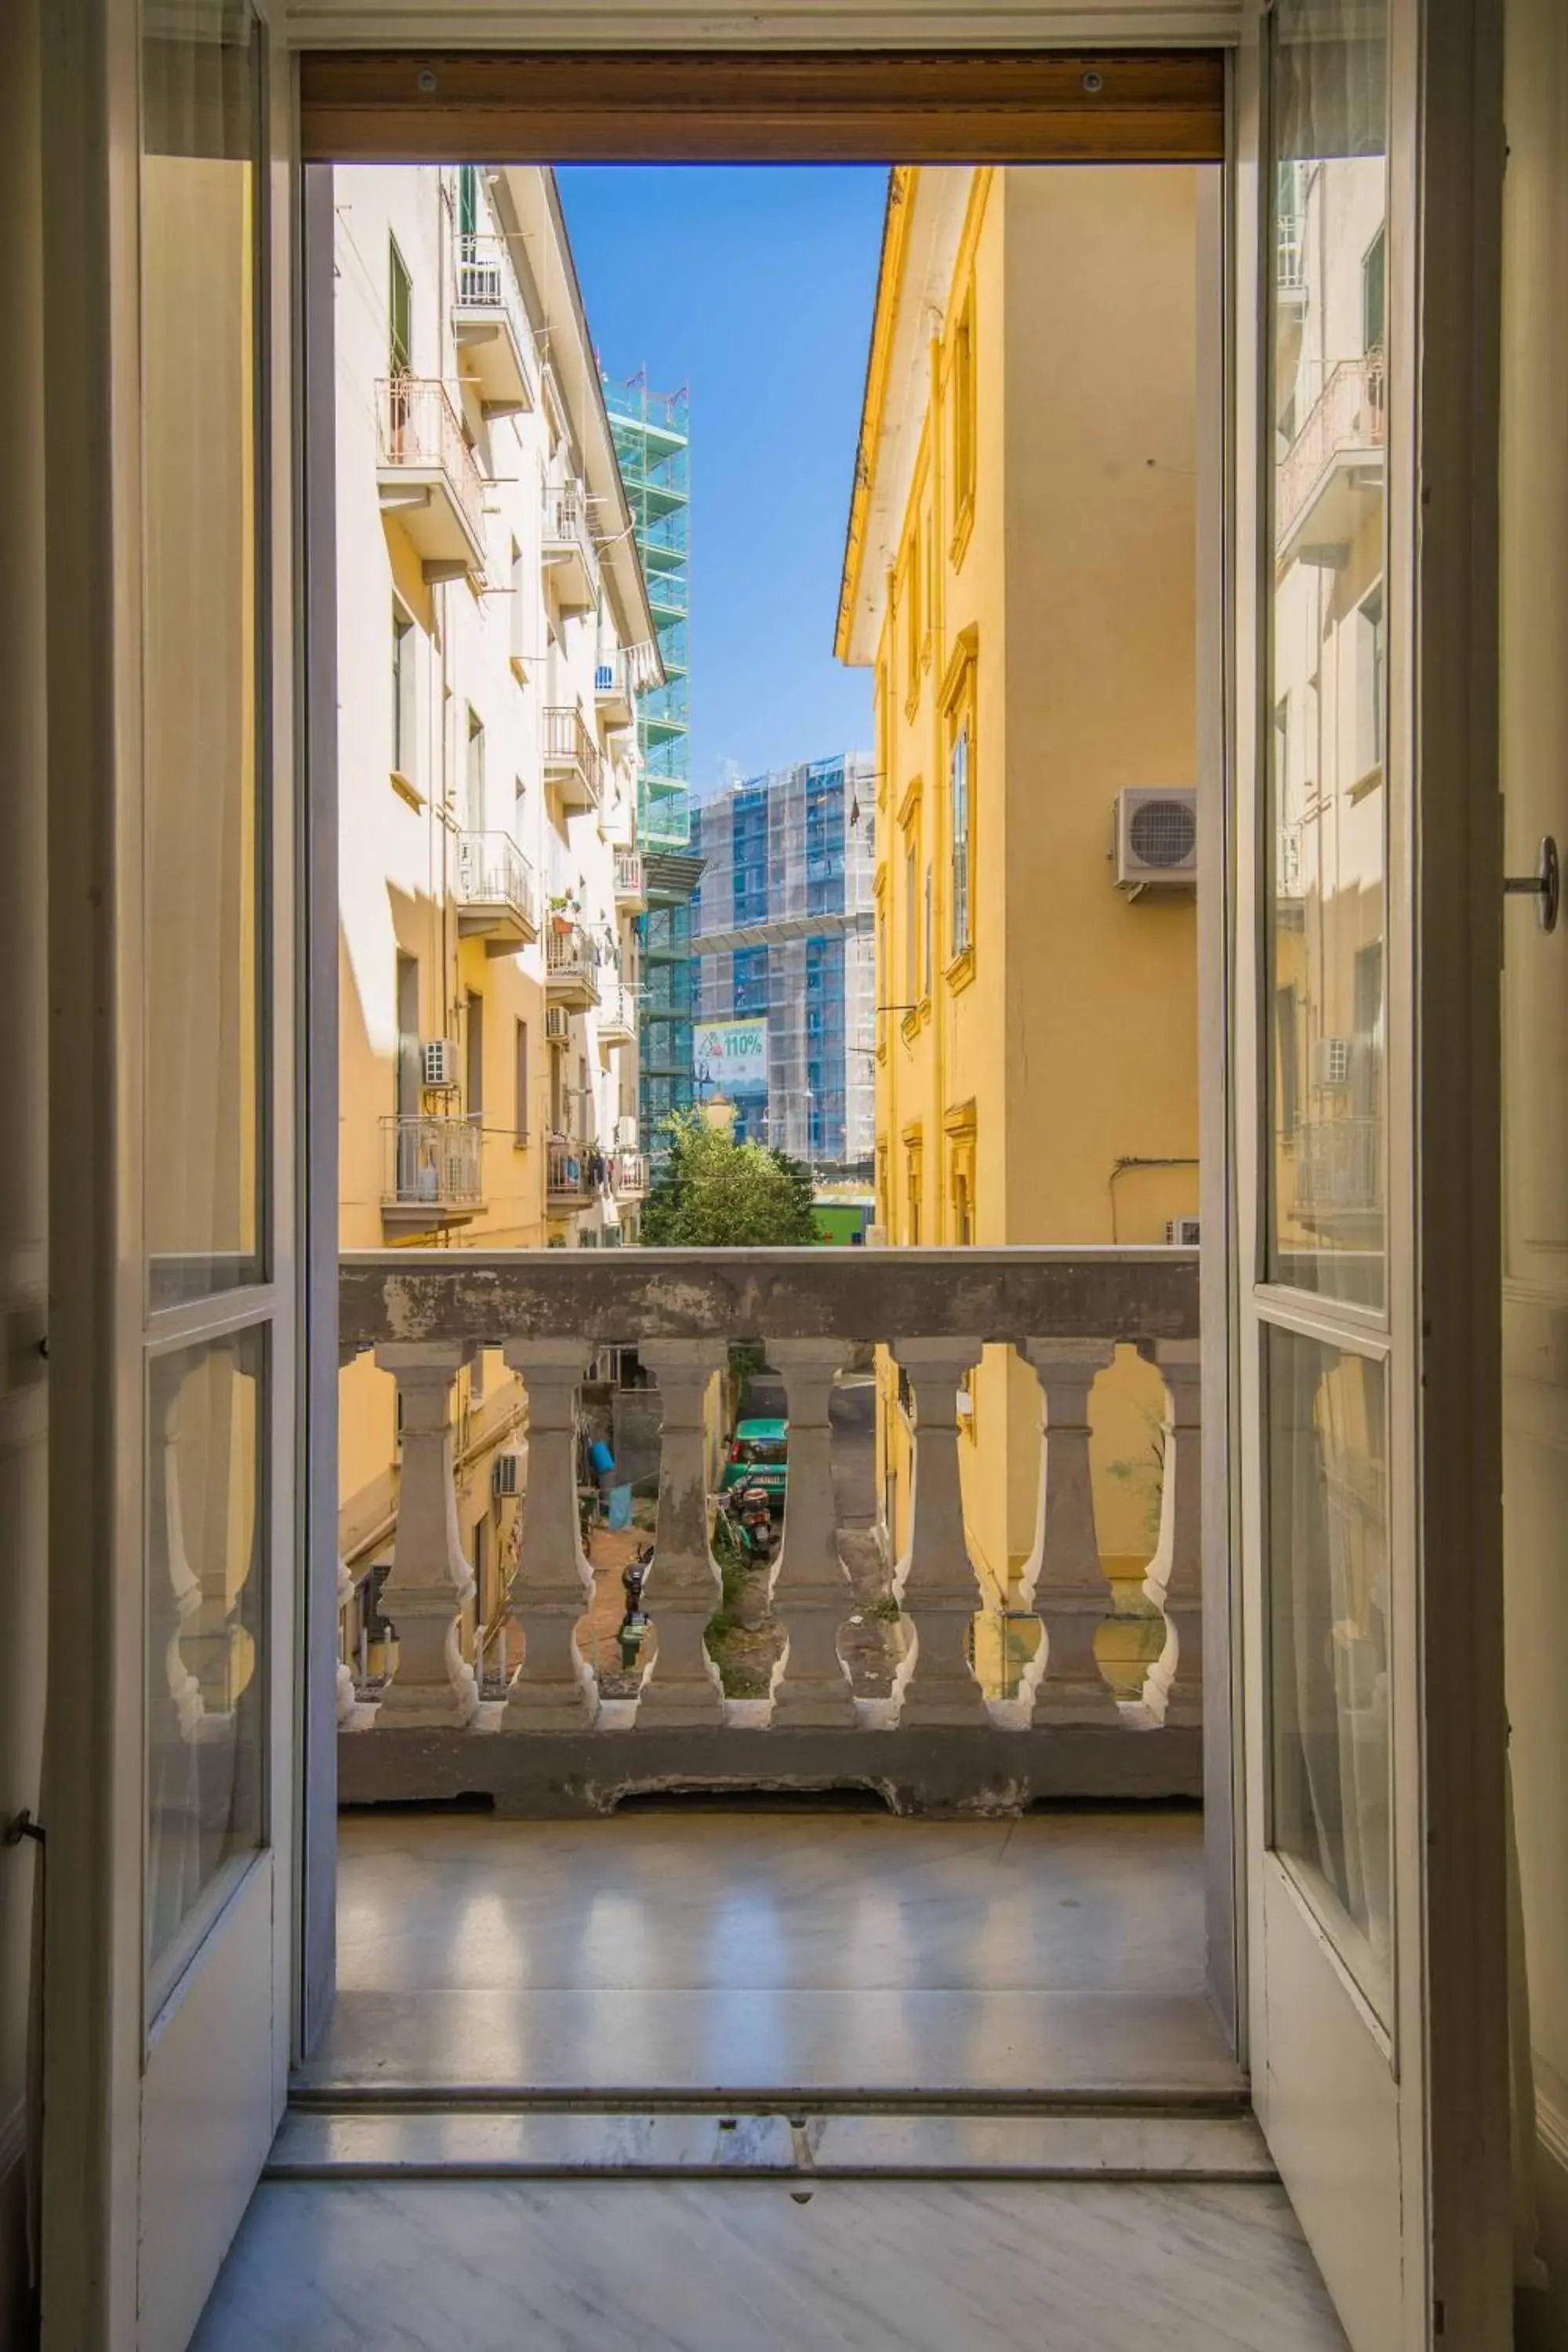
(751, 1512)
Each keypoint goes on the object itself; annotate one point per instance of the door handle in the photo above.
(1544, 886)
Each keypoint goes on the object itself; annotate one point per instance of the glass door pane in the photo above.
(207, 1538)
(204, 798)
(1329, 1633)
(1326, 876)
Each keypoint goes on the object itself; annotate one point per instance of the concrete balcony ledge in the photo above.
(998, 1294)
(990, 1769)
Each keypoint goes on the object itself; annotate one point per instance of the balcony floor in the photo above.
(687, 1950)
(680, 1951)
(677, 2266)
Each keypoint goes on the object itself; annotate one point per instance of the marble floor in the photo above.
(677, 2266)
(686, 1951)
(979, 2000)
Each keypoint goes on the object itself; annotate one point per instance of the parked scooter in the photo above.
(751, 1512)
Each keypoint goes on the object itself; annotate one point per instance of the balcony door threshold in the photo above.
(1187, 2134)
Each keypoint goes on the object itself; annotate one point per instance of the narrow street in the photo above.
(871, 1642)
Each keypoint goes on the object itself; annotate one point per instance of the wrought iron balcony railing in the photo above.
(495, 884)
(429, 1161)
(420, 433)
(573, 759)
(1345, 422)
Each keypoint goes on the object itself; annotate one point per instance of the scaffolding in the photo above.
(783, 930)
(652, 438)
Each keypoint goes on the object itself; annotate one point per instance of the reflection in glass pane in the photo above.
(1328, 1604)
(202, 822)
(205, 1689)
(1325, 749)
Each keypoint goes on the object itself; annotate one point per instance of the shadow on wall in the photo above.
(24, 1591)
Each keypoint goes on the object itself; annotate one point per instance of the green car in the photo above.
(759, 1456)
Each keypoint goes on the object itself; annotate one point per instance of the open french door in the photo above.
(1364, 1078)
(169, 1789)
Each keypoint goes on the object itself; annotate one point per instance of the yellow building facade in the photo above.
(1020, 575)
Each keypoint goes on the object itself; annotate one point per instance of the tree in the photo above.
(715, 1193)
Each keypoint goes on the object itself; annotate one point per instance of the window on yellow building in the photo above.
(959, 1125)
(911, 917)
(913, 1175)
(962, 823)
(957, 696)
(928, 927)
(962, 1208)
(963, 412)
(912, 621)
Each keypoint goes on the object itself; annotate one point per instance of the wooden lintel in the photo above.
(696, 107)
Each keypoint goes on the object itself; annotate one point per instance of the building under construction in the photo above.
(781, 928)
(652, 438)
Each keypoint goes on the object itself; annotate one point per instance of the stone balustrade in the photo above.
(936, 1740)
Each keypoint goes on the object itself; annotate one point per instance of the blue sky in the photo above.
(755, 286)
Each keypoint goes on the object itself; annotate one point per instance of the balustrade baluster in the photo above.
(347, 1695)
(553, 1689)
(935, 1580)
(1067, 1589)
(175, 1612)
(810, 1588)
(1173, 1687)
(430, 1580)
(684, 1587)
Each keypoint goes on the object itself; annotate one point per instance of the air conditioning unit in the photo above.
(1156, 839)
(506, 1476)
(557, 1025)
(437, 1063)
(1182, 1232)
(1332, 1061)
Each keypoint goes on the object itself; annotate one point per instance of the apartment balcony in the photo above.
(497, 892)
(1291, 263)
(573, 763)
(428, 475)
(569, 1186)
(617, 1011)
(431, 1172)
(1339, 1171)
(933, 1733)
(628, 1174)
(615, 696)
(631, 897)
(1333, 468)
(570, 967)
(490, 327)
(571, 558)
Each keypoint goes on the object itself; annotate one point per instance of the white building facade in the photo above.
(494, 634)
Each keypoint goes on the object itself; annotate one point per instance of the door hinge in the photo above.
(22, 1825)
